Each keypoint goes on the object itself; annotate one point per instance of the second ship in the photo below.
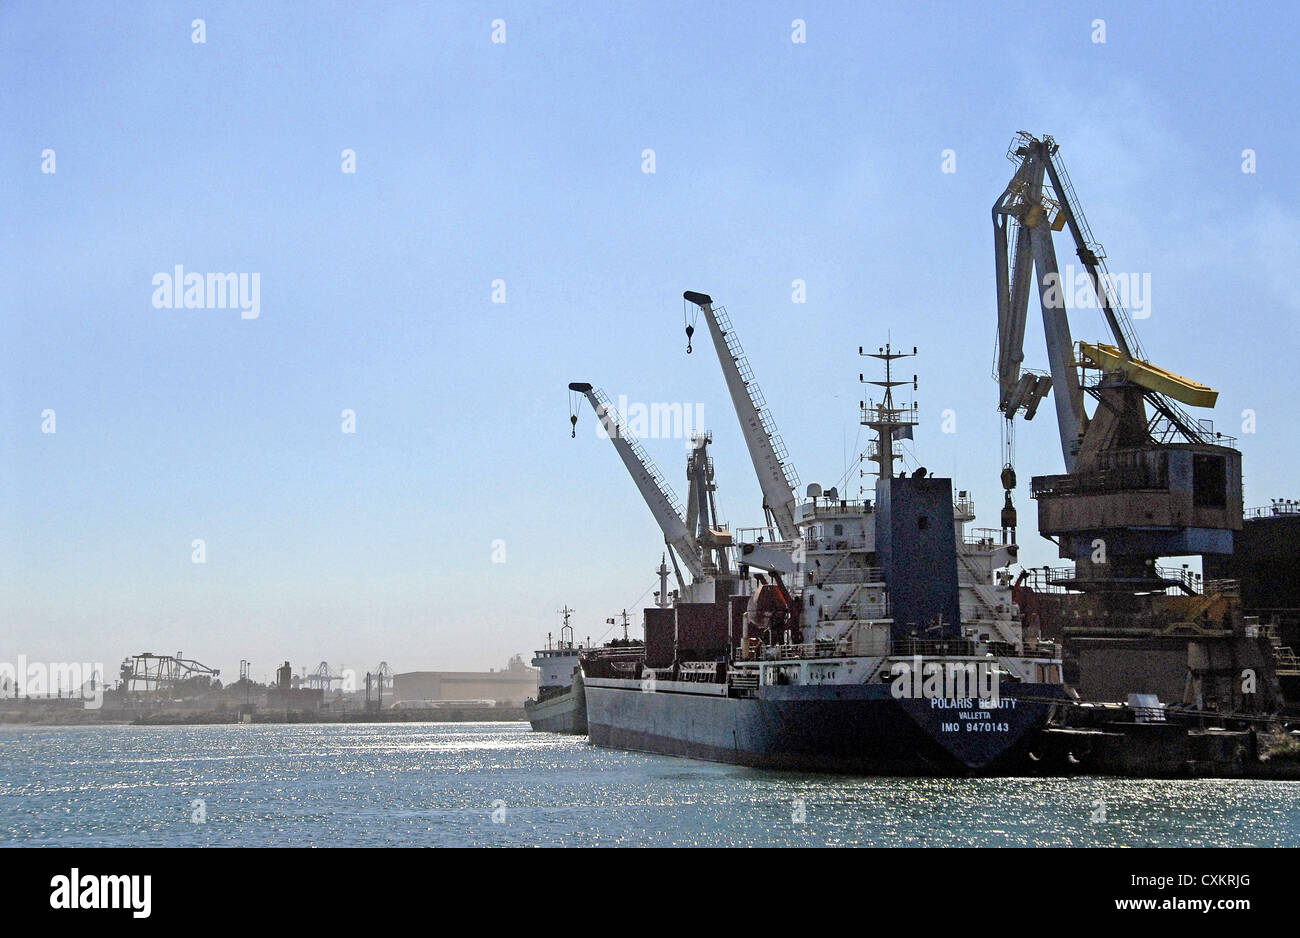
(561, 704)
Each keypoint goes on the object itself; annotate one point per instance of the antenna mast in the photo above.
(889, 422)
(566, 630)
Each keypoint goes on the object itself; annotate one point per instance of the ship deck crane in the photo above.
(776, 476)
(1124, 482)
(702, 508)
(698, 542)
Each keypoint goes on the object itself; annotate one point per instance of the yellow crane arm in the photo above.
(1147, 375)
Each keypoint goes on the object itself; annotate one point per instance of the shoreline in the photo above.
(81, 717)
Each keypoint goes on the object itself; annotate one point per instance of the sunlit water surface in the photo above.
(498, 784)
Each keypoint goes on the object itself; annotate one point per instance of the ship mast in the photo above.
(566, 630)
(889, 422)
(662, 599)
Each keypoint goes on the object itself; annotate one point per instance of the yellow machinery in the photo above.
(1147, 375)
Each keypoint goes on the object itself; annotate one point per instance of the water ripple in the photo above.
(493, 784)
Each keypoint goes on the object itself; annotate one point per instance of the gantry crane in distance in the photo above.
(1137, 486)
(776, 476)
(323, 677)
(378, 679)
(165, 674)
(697, 543)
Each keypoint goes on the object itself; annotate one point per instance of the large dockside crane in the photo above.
(698, 543)
(776, 476)
(1136, 487)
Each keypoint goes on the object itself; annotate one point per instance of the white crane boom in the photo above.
(776, 477)
(649, 481)
(1023, 214)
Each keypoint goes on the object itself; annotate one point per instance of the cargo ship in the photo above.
(561, 705)
(869, 636)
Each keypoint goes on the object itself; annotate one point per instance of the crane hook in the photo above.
(690, 331)
(573, 422)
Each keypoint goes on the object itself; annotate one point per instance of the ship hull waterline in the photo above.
(858, 729)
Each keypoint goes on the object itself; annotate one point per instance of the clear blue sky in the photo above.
(775, 161)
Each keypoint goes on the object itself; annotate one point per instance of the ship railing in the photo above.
(1186, 581)
(907, 647)
(933, 647)
(1178, 581)
(838, 506)
(1044, 579)
(1047, 650)
(843, 648)
(742, 679)
(844, 542)
(784, 652)
(704, 672)
(629, 652)
(987, 538)
(1001, 649)
(1286, 661)
(1283, 506)
(1156, 714)
(855, 606)
(767, 535)
(850, 575)
(1223, 587)
(857, 611)
(1134, 479)
(1164, 428)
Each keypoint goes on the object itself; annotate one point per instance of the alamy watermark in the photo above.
(179, 290)
(1072, 289)
(78, 890)
(663, 421)
(960, 682)
(69, 680)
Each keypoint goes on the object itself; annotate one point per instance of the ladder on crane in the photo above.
(756, 398)
(767, 451)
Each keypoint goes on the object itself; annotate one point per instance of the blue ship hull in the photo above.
(834, 728)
